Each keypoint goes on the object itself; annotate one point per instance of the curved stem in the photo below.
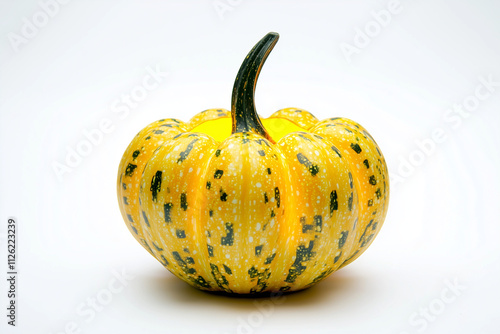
(244, 115)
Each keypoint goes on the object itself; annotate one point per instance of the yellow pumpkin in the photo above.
(229, 202)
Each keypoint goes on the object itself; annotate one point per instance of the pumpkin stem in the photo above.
(244, 115)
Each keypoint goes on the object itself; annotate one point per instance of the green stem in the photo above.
(244, 115)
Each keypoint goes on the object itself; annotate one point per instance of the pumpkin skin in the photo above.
(275, 206)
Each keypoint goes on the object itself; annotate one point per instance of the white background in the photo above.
(443, 223)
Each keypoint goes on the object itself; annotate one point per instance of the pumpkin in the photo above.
(236, 203)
